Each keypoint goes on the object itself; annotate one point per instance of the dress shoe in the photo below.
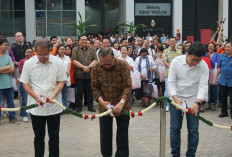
(223, 115)
(91, 109)
(79, 110)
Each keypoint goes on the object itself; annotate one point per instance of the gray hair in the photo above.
(105, 52)
(42, 42)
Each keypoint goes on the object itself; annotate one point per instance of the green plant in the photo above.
(81, 26)
(132, 27)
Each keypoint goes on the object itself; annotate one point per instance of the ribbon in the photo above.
(93, 117)
(132, 114)
(86, 116)
(41, 103)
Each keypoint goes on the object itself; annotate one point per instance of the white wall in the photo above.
(225, 15)
(177, 18)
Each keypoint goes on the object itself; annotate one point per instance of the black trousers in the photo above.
(106, 135)
(224, 92)
(84, 88)
(160, 84)
(53, 124)
(73, 105)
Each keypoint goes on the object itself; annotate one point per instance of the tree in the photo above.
(132, 27)
(81, 26)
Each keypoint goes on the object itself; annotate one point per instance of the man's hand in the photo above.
(38, 98)
(216, 81)
(118, 108)
(16, 63)
(86, 69)
(104, 103)
(194, 109)
(53, 96)
(178, 101)
(67, 73)
(11, 69)
(143, 77)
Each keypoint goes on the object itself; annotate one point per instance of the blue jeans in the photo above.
(176, 119)
(24, 99)
(64, 93)
(166, 91)
(9, 94)
(213, 94)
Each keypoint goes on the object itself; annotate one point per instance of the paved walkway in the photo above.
(80, 138)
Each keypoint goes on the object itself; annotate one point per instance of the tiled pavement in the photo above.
(80, 138)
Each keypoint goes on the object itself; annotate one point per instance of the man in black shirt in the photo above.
(19, 53)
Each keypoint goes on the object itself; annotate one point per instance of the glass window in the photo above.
(54, 4)
(19, 21)
(68, 18)
(40, 5)
(6, 5)
(19, 5)
(40, 23)
(55, 17)
(69, 4)
(54, 23)
(7, 23)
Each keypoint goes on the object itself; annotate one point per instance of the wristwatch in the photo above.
(122, 102)
(89, 67)
(198, 103)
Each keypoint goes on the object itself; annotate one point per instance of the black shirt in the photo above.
(19, 51)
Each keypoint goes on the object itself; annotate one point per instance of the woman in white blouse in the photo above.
(144, 63)
(131, 64)
(60, 53)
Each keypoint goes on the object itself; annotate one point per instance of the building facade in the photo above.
(38, 18)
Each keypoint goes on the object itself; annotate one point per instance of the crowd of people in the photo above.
(99, 68)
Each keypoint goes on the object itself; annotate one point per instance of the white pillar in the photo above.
(130, 10)
(80, 7)
(126, 11)
(30, 20)
(177, 18)
(225, 14)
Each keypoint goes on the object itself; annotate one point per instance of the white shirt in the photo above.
(189, 83)
(43, 79)
(149, 38)
(144, 64)
(66, 61)
(129, 60)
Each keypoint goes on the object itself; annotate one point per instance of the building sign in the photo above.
(152, 9)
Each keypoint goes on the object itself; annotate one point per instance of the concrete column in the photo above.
(80, 7)
(30, 20)
(225, 13)
(130, 10)
(126, 11)
(177, 18)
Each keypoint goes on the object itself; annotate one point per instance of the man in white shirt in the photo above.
(106, 43)
(44, 75)
(187, 84)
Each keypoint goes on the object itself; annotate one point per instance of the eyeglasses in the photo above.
(195, 60)
(40, 56)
